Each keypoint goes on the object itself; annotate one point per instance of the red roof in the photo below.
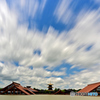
(33, 90)
(29, 90)
(25, 90)
(22, 89)
(90, 87)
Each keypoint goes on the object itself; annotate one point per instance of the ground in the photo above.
(47, 97)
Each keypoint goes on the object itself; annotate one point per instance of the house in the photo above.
(16, 89)
(95, 87)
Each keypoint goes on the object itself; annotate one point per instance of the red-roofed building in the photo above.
(16, 89)
(59, 92)
(95, 87)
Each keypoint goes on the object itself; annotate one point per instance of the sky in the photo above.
(50, 40)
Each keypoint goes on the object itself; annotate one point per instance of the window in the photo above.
(98, 89)
(94, 90)
(10, 86)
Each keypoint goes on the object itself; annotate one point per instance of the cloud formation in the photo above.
(78, 47)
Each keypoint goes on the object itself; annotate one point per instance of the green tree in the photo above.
(56, 89)
(63, 91)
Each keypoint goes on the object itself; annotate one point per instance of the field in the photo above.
(46, 97)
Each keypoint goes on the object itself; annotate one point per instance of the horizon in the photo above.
(50, 40)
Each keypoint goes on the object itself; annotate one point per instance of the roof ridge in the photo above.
(16, 83)
(94, 83)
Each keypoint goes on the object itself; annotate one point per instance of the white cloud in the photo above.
(96, 1)
(34, 77)
(81, 79)
(17, 44)
(27, 8)
(55, 73)
(63, 12)
(72, 67)
(85, 34)
(43, 5)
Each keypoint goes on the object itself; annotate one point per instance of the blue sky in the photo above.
(49, 40)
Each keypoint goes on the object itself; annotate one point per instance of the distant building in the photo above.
(59, 92)
(16, 89)
(50, 87)
(95, 87)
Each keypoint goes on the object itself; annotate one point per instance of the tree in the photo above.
(56, 89)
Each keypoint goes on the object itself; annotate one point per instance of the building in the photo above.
(33, 90)
(16, 89)
(59, 92)
(50, 87)
(95, 87)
